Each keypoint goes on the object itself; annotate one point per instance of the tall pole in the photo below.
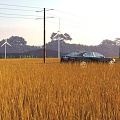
(44, 54)
(44, 49)
(59, 41)
(5, 50)
(119, 52)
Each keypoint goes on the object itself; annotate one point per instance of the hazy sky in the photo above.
(86, 21)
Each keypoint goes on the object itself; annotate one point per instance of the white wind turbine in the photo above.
(59, 39)
(5, 43)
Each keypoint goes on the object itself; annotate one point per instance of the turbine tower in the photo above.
(60, 37)
(5, 43)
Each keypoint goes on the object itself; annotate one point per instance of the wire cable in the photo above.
(17, 9)
(7, 15)
(19, 6)
(16, 17)
(19, 14)
(67, 13)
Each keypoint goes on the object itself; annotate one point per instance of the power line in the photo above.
(13, 5)
(17, 9)
(18, 14)
(67, 13)
(64, 24)
(66, 19)
(18, 6)
(16, 17)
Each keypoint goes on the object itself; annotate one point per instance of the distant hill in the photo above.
(18, 45)
(39, 53)
(105, 49)
(20, 49)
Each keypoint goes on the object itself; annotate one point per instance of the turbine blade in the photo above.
(63, 35)
(55, 36)
(8, 43)
(3, 44)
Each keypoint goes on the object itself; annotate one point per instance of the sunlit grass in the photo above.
(32, 90)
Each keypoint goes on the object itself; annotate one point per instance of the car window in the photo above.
(74, 54)
(70, 54)
(98, 55)
(88, 54)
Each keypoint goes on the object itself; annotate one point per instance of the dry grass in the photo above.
(31, 90)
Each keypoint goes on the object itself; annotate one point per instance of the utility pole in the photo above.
(119, 52)
(59, 40)
(44, 41)
(44, 52)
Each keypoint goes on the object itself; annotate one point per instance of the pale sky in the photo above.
(88, 22)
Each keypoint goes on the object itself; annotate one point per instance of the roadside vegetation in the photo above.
(32, 90)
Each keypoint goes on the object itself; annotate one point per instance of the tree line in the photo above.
(21, 49)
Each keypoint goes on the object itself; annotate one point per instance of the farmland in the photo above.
(32, 90)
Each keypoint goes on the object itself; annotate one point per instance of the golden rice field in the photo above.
(32, 90)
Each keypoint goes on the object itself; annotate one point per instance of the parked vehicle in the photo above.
(82, 56)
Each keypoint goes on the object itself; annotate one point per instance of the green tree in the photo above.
(17, 40)
(108, 42)
(117, 41)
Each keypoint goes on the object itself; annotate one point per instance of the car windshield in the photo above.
(98, 55)
(74, 53)
(85, 54)
(93, 54)
(88, 54)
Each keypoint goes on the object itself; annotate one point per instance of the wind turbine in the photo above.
(60, 37)
(5, 43)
